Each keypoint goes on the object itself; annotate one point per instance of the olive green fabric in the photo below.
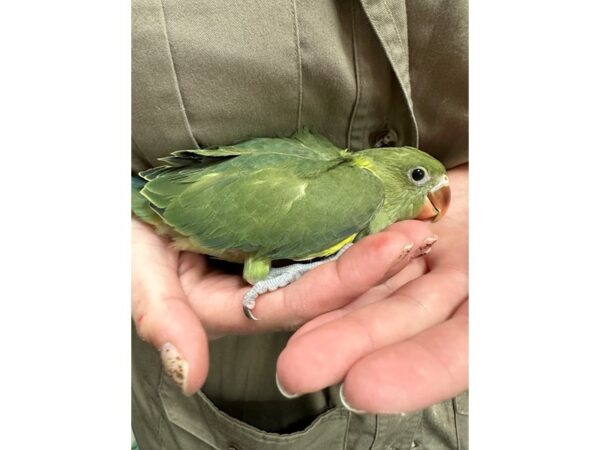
(208, 72)
(438, 36)
(245, 408)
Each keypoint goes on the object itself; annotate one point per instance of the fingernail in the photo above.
(285, 393)
(406, 250)
(347, 405)
(175, 366)
(426, 246)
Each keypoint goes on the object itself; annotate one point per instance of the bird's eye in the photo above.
(419, 175)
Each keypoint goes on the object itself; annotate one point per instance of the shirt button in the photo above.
(384, 138)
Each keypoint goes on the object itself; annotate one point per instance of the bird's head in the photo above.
(413, 179)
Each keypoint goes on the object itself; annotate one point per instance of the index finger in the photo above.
(337, 283)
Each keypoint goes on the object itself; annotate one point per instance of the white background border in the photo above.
(64, 183)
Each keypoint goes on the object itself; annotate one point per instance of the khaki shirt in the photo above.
(208, 72)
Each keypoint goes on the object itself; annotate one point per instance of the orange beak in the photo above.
(437, 202)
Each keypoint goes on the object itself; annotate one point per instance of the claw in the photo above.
(248, 313)
(249, 304)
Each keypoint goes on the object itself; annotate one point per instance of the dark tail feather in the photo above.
(137, 183)
(140, 205)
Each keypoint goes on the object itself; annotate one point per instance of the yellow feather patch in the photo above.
(331, 250)
(363, 163)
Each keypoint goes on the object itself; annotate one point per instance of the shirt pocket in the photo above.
(195, 422)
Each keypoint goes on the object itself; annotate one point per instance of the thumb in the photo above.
(161, 312)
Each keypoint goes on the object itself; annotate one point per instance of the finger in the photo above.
(413, 270)
(413, 374)
(161, 313)
(335, 284)
(216, 298)
(193, 269)
(419, 305)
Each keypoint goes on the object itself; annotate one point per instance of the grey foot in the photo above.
(282, 276)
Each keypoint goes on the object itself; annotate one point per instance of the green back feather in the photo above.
(278, 198)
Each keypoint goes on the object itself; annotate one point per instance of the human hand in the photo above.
(401, 346)
(179, 299)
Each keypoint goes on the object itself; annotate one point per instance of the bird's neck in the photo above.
(398, 204)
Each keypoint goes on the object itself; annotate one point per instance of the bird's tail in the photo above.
(140, 205)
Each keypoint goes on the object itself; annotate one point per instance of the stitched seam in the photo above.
(161, 423)
(456, 425)
(395, 25)
(403, 44)
(458, 446)
(377, 432)
(345, 444)
(175, 77)
(297, 36)
(356, 74)
(288, 439)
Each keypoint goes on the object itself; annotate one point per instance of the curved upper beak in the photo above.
(437, 201)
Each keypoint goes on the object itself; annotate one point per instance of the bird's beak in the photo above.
(436, 202)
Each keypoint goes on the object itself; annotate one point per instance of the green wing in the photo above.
(277, 198)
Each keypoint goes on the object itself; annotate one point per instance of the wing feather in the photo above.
(279, 198)
(277, 212)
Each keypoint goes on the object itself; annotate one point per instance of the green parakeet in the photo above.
(297, 198)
